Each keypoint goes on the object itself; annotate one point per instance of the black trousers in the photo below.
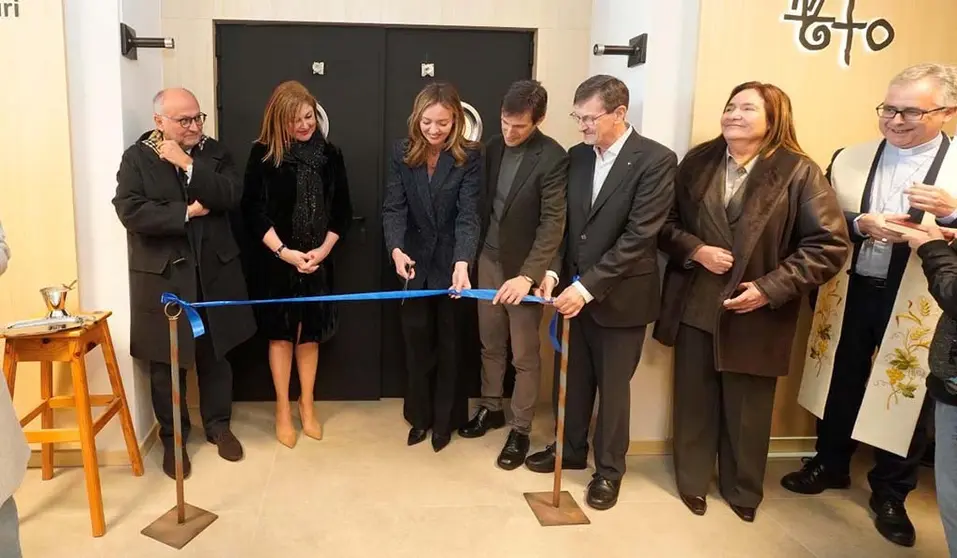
(866, 316)
(602, 360)
(723, 414)
(434, 398)
(215, 393)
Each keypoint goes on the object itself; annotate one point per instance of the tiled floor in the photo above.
(362, 492)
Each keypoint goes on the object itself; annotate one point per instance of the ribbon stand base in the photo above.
(180, 525)
(558, 507)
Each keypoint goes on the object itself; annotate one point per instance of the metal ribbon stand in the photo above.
(180, 525)
(558, 507)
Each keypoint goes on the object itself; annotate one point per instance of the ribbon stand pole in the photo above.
(180, 525)
(558, 507)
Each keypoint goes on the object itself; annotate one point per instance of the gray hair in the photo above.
(944, 74)
(160, 98)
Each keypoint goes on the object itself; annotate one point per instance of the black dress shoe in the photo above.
(439, 441)
(514, 452)
(602, 492)
(483, 421)
(169, 462)
(697, 504)
(416, 435)
(544, 461)
(745, 513)
(892, 521)
(814, 478)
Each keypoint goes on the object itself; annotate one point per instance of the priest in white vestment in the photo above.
(881, 303)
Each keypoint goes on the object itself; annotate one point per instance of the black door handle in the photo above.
(359, 218)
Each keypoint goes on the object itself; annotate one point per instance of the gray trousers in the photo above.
(498, 324)
(719, 414)
(9, 530)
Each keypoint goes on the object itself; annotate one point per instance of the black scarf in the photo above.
(308, 214)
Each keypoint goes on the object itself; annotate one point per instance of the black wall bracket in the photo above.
(129, 42)
(637, 50)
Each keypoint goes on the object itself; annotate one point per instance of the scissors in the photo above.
(408, 273)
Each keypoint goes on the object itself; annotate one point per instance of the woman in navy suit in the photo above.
(431, 226)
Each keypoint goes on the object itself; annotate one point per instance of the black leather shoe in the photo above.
(697, 504)
(483, 421)
(439, 441)
(892, 521)
(814, 478)
(514, 452)
(745, 513)
(603, 493)
(544, 461)
(169, 462)
(416, 435)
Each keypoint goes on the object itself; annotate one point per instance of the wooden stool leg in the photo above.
(84, 418)
(46, 418)
(113, 368)
(9, 366)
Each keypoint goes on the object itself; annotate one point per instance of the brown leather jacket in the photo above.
(791, 238)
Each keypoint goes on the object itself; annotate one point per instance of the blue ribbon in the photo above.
(196, 322)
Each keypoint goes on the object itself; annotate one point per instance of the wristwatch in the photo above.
(279, 250)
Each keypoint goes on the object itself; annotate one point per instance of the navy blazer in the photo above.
(436, 223)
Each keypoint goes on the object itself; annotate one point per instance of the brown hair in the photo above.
(416, 154)
(281, 110)
(612, 92)
(526, 96)
(780, 118)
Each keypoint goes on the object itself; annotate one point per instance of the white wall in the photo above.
(100, 81)
(662, 96)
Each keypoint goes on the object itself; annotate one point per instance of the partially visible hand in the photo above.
(715, 259)
(296, 259)
(404, 265)
(749, 300)
(931, 199)
(570, 302)
(460, 278)
(546, 287)
(874, 226)
(513, 291)
(170, 151)
(196, 209)
(316, 257)
(922, 235)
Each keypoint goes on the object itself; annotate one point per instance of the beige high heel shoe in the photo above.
(310, 428)
(286, 435)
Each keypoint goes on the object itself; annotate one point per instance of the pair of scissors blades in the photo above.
(408, 273)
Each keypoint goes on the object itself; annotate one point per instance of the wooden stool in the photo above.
(72, 346)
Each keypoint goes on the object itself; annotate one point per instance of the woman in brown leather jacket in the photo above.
(755, 227)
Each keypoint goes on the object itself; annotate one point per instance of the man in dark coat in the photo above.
(175, 189)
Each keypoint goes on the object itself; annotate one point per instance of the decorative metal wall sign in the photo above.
(473, 123)
(322, 119)
(815, 31)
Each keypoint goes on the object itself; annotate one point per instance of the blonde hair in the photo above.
(416, 153)
(281, 110)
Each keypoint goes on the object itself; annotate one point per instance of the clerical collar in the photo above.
(922, 149)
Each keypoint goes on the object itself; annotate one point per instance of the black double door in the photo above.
(366, 79)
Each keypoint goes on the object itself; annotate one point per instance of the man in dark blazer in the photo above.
(175, 189)
(523, 217)
(620, 190)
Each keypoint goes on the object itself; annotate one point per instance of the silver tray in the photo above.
(45, 325)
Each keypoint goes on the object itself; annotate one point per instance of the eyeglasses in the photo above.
(587, 120)
(908, 114)
(187, 121)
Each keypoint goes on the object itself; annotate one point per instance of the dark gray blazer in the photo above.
(532, 223)
(435, 222)
(613, 243)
